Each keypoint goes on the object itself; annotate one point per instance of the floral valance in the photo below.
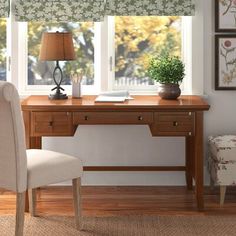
(95, 10)
(59, 10)
(4, 8)
(150, 7)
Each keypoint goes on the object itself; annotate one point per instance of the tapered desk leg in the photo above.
(31, 143)
(198, 143)
(34, 143)
(189, 155)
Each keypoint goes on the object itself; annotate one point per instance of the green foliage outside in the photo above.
(3, 39)
(138, 39)
(41, 72)
(166, 69)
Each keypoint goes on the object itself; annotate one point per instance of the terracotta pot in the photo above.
(169, 91)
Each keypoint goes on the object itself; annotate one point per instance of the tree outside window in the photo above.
(41, 73)
(3, 50)
(137, 39)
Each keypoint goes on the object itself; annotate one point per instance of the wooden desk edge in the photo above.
(146, 103)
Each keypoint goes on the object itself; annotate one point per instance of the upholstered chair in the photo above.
(222, 162)
(22, 169)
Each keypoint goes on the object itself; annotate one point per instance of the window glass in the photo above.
(40, 72)
(3, 49)
(137, 39)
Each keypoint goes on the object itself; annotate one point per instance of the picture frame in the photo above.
(225, 16)
(225, 62)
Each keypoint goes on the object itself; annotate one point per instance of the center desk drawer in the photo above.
(174, 123)
(112, 118)
(51, 123)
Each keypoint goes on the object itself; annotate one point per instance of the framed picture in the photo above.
(225, 62)
(225, 15)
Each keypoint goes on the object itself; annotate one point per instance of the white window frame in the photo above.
(26, 89)
(104, 50)
(151, 89)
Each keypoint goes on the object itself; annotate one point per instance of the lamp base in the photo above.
(57, 96)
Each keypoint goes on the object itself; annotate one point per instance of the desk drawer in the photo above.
(173, 123)
(112, 118)
(51, 123)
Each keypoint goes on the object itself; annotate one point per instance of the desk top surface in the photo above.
(139, 102)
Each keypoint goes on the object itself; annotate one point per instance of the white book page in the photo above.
(109, 99)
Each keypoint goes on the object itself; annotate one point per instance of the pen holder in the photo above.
(76, 90)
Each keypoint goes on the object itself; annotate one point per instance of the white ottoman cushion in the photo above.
(223, 148)
(222, 159)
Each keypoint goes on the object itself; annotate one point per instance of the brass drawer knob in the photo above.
(175, 123)
(86, 118)
(140, 118)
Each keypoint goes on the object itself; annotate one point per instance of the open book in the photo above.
(113, 96)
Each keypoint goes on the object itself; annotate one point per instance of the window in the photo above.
(3, 49)
(40, 72)
(137, 39)
(112, 55)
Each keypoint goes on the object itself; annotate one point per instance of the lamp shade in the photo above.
(57, 46)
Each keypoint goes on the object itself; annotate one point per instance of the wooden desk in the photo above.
(183, 117)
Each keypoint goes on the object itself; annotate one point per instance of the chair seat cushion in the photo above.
(223, 148)
(48, 167)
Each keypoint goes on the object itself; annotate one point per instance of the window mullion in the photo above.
(187, 53)
(105, 55)
(111, 52)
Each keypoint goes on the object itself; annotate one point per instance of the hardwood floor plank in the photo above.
(114, 201)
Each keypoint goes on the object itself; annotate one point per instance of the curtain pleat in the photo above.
(4, 8)
(95, 10)
(59, 10)
(150, 7)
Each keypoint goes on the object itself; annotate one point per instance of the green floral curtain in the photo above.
(59, 10)
(94, 10)
(4, 8)
(150, 7)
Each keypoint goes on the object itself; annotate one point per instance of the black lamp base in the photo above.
(58, 96)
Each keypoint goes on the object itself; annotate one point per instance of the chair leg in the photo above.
(20, 214)
(32, 201)
(77, 202)
(222, 194)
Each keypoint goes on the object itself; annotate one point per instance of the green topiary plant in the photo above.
(166, 69)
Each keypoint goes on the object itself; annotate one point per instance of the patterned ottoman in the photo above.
(222, 162)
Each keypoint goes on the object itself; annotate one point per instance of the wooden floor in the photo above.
(113, 201)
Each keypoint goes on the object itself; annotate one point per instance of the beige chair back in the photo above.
(13, 161)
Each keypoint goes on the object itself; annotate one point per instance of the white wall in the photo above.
(134, 145)
(122, 145)
(222, 117)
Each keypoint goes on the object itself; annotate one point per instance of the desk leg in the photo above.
(31, 143)
(34, 143)
(189, 156)
(198, 160)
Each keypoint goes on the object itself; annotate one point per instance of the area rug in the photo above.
(124, 226)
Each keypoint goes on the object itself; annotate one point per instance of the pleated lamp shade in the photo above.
(57, 47)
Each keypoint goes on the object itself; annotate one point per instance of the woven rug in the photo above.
(124, 226)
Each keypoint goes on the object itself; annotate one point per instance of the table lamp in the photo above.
(57, 47)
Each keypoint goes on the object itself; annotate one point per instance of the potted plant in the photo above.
(169, 72)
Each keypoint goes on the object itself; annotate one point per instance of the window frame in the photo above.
(147, 89)
(26, 89)
(104, 75)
